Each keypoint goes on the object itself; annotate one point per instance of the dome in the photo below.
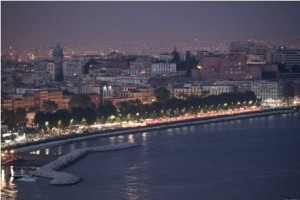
(57, 50)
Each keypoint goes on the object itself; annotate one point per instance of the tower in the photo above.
(58, 57)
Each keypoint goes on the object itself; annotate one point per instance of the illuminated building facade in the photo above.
(271, 93)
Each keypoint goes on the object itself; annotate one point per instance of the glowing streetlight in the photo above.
(59, 123)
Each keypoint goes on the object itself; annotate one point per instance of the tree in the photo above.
(90, 115)
(21, 119)
(8, 118)
(105, 111)
(50, 106)
(80, 100)
(162, 94)
(63, 116)
(39, 119)
(77, 114)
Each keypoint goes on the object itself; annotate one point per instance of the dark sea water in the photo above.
(244, 159)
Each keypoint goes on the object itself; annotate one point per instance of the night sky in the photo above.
(26, 24)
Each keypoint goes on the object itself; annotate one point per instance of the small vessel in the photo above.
(27, 178)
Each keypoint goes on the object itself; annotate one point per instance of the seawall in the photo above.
(62, 178)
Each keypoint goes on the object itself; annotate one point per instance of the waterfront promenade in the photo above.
(148, 125)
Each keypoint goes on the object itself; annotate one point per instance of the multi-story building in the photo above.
(163, 68)
(28, 101)
(29, 90)
(127, 93)
(243, 86)
(51, 69)
(58, 57)
(17, 101)
(182, 92)
(44, 95)
(137, 80)
(229, 67)
(72, 68)
(141, 66)
(40, 97)
(271, 93)
(218, 89)
(232, 66)
(89, 88)
(55, 95)
(287, 56)
(8, 88)
(7, 103)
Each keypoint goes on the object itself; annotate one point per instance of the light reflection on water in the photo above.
(47, 151)
(8, 187)
(72, 147)
(59, 150)
(144, 136)
(112, 139)
(131, 138)
(137, 182)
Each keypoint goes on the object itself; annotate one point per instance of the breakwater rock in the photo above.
(62, 178)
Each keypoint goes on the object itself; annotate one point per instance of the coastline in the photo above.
(152, 127)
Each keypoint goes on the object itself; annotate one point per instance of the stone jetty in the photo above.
(50, 170)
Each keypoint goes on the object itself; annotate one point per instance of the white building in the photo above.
(163, 68)
(90, 88)
(26, 90)
(136, 80)
(218, 89)
(186, 90)
(271, 93)
(51, 70)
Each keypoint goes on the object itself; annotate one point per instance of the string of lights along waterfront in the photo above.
(254, 158)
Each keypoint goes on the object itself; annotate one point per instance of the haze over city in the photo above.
(201, 100)
(28, 24)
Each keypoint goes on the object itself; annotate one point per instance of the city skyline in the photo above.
(27, 24)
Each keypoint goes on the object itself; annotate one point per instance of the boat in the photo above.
(27, 178)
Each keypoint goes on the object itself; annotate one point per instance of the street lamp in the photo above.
(47, 124)
(83, 121)
(59, 123)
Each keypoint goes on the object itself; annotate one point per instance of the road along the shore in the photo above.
(151, 127)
